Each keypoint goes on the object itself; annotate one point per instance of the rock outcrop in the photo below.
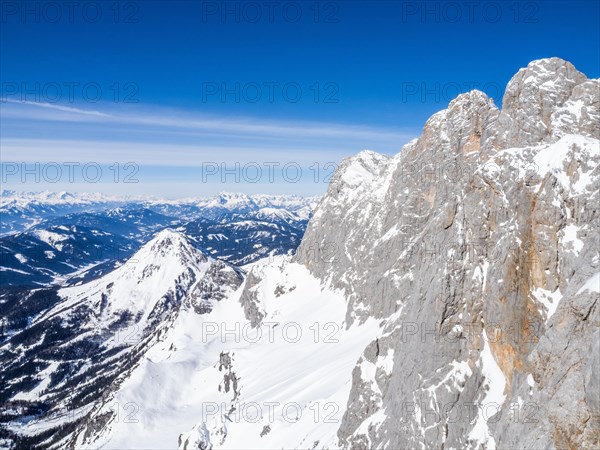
(477, 245)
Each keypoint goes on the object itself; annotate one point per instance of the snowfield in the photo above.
(293, 373)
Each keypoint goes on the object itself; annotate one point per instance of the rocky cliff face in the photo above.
(477, 247)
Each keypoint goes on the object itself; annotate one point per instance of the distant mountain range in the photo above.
(49, 238)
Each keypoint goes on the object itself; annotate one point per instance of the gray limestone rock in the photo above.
(477, 245)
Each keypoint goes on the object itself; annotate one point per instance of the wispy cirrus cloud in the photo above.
(188, 122)
(53, 106)
(172, 148)
(157, 154)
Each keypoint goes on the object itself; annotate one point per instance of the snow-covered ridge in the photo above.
(57, 241)
(23, 199)
(21, 210)
(98, 332)
(225, 199)
(169, 263)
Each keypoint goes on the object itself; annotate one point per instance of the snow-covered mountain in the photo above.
(242, 203)
(86, 339)
(235, 228)
(245, 237)
(52, 254)
(445, 297)
(22, 209)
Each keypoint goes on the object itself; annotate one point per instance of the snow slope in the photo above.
(292, 373)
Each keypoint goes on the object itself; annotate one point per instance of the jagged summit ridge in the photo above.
(167, 273)
(540, 98)
(542, 102)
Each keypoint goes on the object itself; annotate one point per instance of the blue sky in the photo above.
(168, 94)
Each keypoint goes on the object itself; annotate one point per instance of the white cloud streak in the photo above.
(187, 122)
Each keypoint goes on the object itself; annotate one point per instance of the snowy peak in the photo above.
(473, 97)
(23, 199)
(468, 118)
(360, 169)
(246, 229)
(239, 202)
(115, 212)
(22, 209)
(464, 129)
(547, 99)
(465, 270)
(542, 102)
(552, 75)
(170, 245)
(156, 279)
(270, 214)
(234, 200)
(96, 333)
